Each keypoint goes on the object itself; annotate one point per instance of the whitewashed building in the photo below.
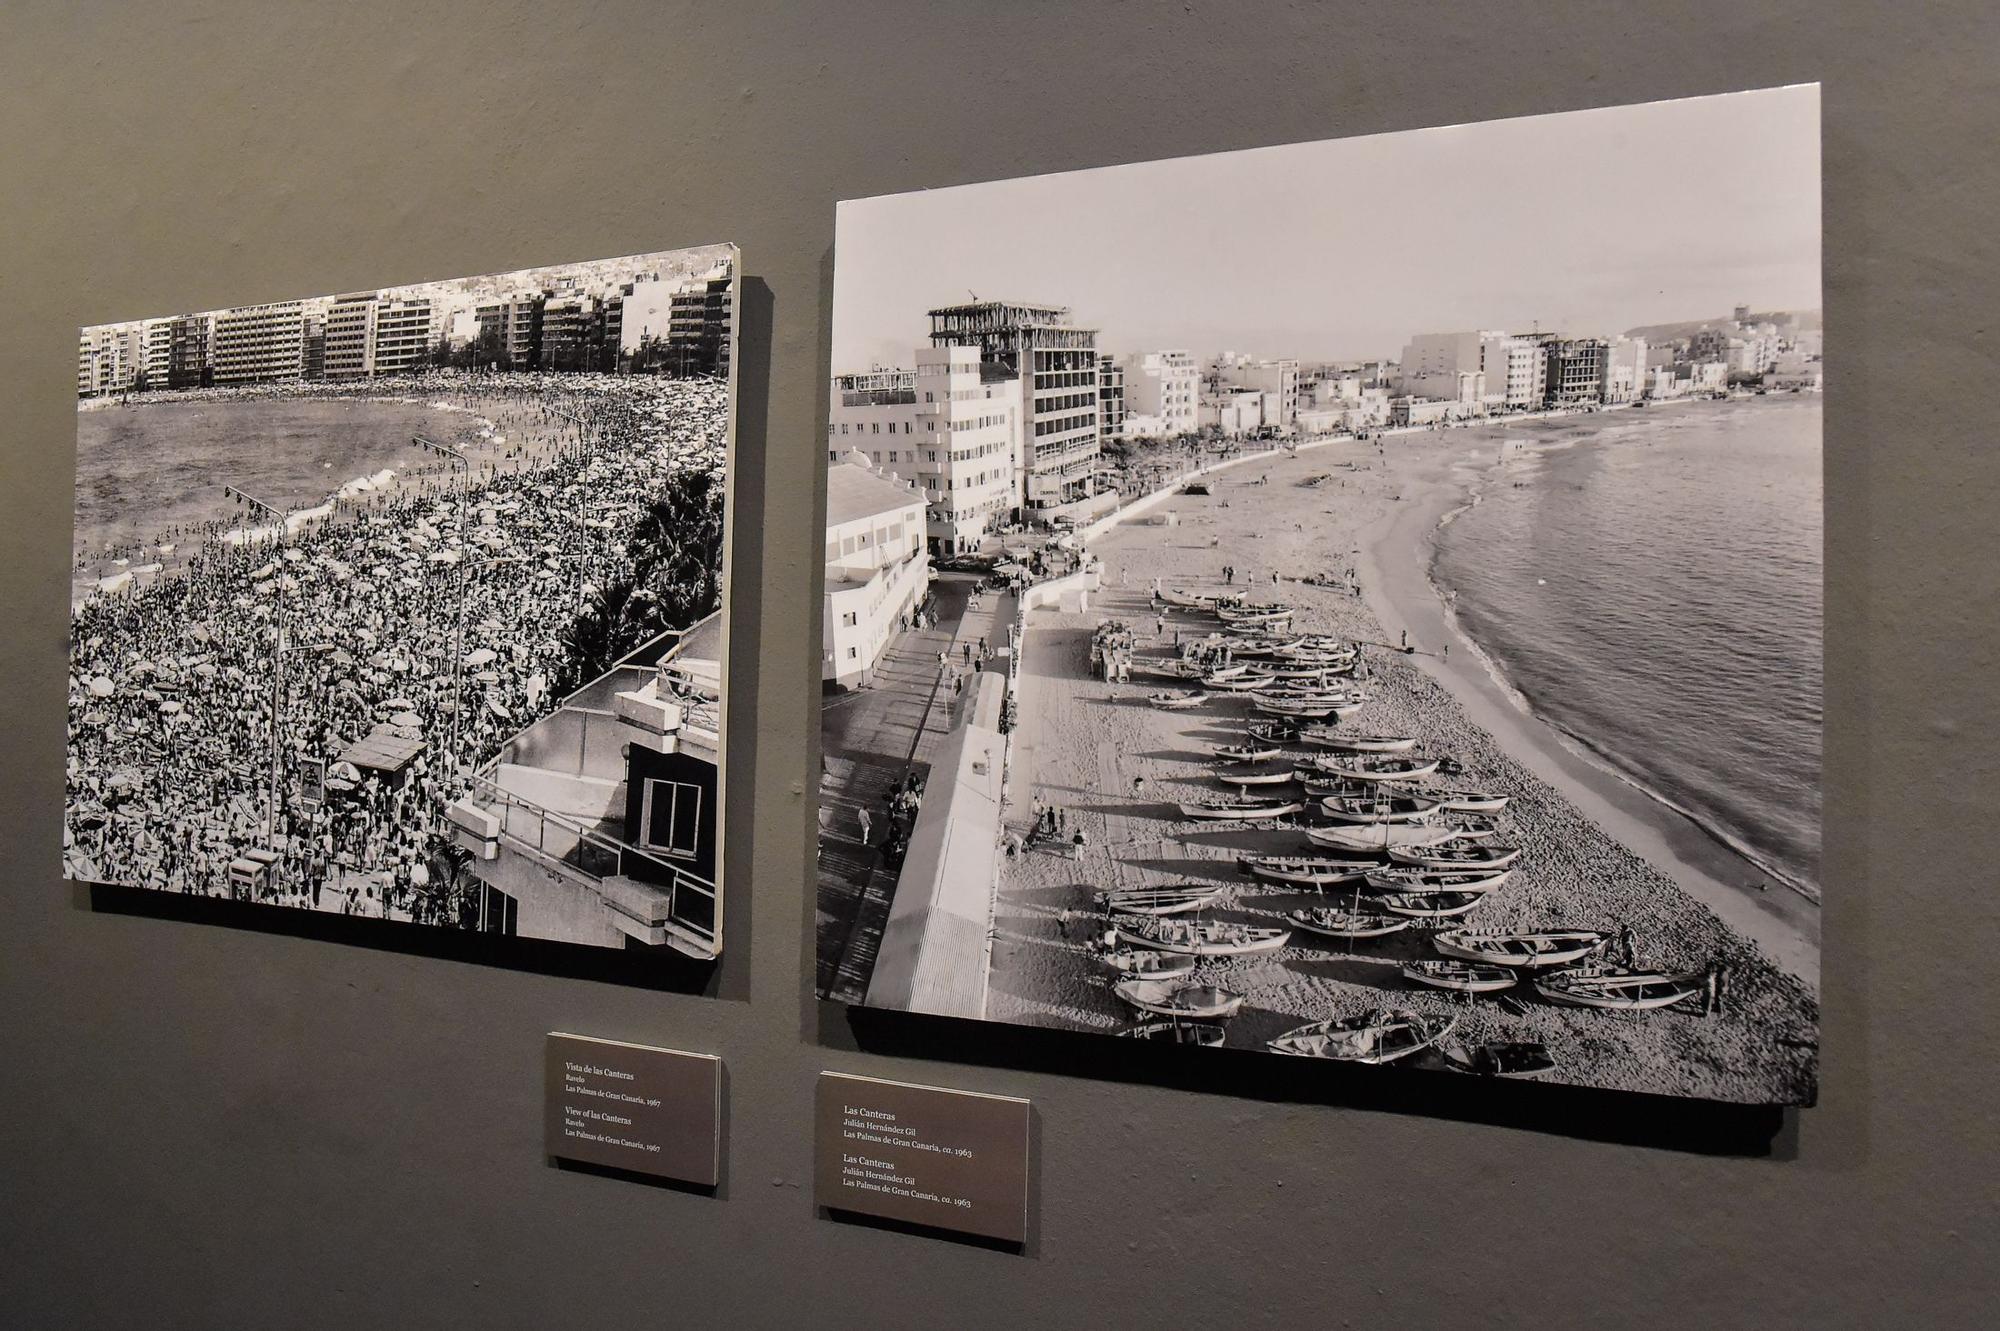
(876, 568)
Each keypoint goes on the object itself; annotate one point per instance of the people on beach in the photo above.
(446, 608)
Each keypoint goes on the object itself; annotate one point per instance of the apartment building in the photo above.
(1056, 364)
(876, 568)
(950, 426)
(260, 344)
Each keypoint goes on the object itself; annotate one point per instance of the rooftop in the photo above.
(854, 492)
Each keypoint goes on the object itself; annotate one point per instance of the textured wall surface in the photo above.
(203, 1126)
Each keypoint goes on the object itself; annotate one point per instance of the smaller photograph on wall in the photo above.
(1355, 601)
(410, 603)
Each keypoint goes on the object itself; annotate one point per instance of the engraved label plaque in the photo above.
(922, 1155)
(633, 1107)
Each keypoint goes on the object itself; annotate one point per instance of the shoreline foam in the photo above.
(1397, 553)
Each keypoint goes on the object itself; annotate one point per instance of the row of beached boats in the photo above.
(1411, 851)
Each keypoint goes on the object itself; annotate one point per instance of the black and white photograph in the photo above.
(1356, 600)
(408, 603)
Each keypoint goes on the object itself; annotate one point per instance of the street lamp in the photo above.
(452, 455)
(244, 499)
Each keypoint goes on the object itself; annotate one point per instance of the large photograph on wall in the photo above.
(1356, 601)
(408, 603)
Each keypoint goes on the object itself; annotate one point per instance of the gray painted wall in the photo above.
(207, 1126)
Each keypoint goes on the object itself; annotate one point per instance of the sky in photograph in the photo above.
(1588, 223)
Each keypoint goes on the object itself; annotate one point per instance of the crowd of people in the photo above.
(437, 610)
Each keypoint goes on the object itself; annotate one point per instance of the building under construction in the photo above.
(1057, 365)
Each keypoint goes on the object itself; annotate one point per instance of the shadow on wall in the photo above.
(661, 969)
(1625, 1118)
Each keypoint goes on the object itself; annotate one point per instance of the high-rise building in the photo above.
(1576, 371)
(953, 427)
(350, 337)
(403, 334)
(260, 344)
(159, 352)
(1162, 394)
(1056, 364)
(187, 354)
(698, 329)
(508, 333)
(109, 359)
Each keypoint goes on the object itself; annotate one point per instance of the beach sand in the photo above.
(1599, 853)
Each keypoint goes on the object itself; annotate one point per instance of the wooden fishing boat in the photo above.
(1228, 672)
(1384, 768)
(1553, 947)
(1429, 905)
(1458, 853)
(1304, 870)
(1304, 711)
(1469, 801)
(1345, 924)
(1463, 977)
(1199, 1034)
(1164, 668)
(1378, 838)
(1177, 702)
(1326, 737)
(1618, 987)
(1177, 998)
(1261, 776)
(1501, 1058)
(1292, 668)
(1420, 881)
(1232, 683)
(1323, 787)
(1269, 617)
(1175, 900)
(1376, 808)
(1198, 938)
(1382, 1036)
(1146, 963)
(1190, 600)
(1468, 826)
(1240, 807)
(1247, 753)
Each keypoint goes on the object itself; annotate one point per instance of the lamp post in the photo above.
(464, 464)
(247, 500)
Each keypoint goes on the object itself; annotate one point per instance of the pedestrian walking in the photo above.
(867, 827)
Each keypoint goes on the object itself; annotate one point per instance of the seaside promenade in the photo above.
(871, 739)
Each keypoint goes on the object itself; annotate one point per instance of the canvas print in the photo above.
(409, 603)
(1356, 600)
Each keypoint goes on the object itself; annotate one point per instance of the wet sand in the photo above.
(1598, 853)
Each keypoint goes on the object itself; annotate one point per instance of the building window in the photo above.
(671, 819)
(849, 620)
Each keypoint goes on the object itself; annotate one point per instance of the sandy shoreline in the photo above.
(1083, 742)
(1395, 558)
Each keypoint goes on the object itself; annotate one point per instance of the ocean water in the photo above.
(1654, 590)
(145, 469)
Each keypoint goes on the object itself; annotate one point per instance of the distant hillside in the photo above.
(1808, 321)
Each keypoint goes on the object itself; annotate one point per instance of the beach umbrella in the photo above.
(486, 677)
(101, 687)
(498, 708)
(408, 720)
(480, 656)
(171, 706)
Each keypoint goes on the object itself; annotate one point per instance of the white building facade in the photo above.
(1162, 394)
(876, 569)
(951, 428)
